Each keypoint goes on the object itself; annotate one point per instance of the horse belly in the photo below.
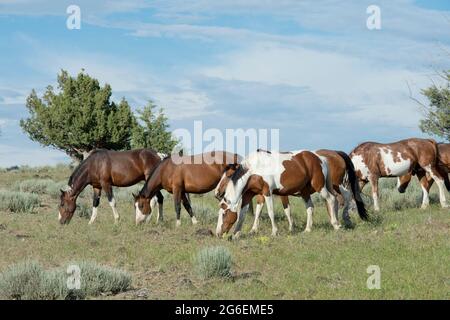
(395, 167)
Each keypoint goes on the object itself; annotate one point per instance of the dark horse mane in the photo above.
(240, 171)
(81, 166)
(142, 192)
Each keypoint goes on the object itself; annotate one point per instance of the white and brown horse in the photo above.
(180, 175)
(443, 166)
(340, 171)
(373, 160)
(104, 169)
(296, 173)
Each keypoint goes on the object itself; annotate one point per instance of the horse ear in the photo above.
(62, 191)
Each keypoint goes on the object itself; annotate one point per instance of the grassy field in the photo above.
(411, 246)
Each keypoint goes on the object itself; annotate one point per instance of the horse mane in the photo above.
(77, 170)
(144, 188)
(240, 171)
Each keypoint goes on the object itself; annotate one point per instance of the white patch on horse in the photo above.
(359, 164)
(392, 167)
(161, 155)
(139, 215)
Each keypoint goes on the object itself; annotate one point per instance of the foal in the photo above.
(104, 169)
(180, 175)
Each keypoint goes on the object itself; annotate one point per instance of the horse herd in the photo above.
(262, 174)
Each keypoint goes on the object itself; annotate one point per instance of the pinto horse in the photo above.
(374, 160)
(296, 173)
(443, 166)
(342, 174)
(104, 169)
(180, 175)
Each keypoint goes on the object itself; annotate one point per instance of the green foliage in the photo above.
(18, 201)
(213, 262)
(78, 117)
(152, 131)
(28, 280)
(437, 114)
(39, 186)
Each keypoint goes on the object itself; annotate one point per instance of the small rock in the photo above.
(141, 293)
(2, 226)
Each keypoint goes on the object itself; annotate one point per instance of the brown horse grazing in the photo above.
(341, 172)
(374, 160)
(180, 175)
(443, 166)
(104, 169)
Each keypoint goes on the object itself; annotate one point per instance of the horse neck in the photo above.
(154, 183)
(79, 181)
(235, 191)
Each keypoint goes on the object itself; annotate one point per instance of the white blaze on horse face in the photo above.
(359, 164)
(392, 167)
(140, 217)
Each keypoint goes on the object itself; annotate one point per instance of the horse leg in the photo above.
(244, 206)
(422, 176)
(287, 211)
(269, 203)
(112, 202)
(187, 206)
(374, 184)
(153, 202)
(432, 171)
(309, 213)
(177, 204)
(347, 195)
(331, 206)
(160, 198)
(95, 203)
(259, 206)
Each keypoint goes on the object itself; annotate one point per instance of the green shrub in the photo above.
(39, 186)
(29, 280)
(213, 262)
(18, 201)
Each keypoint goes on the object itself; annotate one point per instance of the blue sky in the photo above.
(309, 68)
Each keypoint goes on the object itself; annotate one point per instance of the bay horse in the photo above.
(342, 174)
(373, 160)
(103, 169)
(180, 175)
(443, 166)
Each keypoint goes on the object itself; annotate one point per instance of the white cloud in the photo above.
(17, 156)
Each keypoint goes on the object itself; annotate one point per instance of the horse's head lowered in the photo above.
(67, 206)
(230, 199)
(221, 188)
(142, 207)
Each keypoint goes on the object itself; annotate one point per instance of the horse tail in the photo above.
(353, 180)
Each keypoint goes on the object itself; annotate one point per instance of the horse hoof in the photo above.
(178, 223)
(194, 220)
(307, 230)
